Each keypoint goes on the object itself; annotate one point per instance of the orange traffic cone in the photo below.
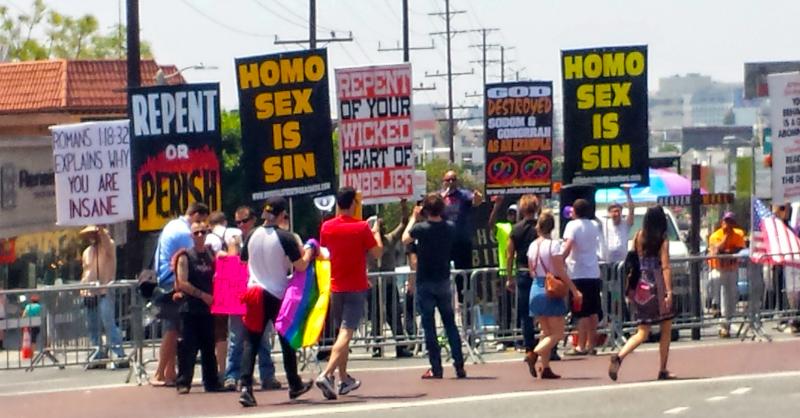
(27, 350)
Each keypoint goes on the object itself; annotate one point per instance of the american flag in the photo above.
(772, 241)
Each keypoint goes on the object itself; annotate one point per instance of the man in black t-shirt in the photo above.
(434, 240)
(523, 233)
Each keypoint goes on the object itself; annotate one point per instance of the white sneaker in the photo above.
(326, 384)
(348, 385)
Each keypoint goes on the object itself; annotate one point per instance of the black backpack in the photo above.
(631, 270)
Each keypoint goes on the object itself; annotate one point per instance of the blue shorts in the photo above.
(347, 308)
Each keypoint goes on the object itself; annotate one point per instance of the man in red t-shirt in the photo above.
(348, 240)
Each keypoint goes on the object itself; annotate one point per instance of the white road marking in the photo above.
(741, 391)
(350, 409)
(716, 398)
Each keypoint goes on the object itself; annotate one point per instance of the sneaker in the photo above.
(403, 352)
(431, 375)
(229, 385)
(325, 384)
(122, 363)
(461, 373)
(377, 352)
(183, 390)
(305, 387)
(246, 398)
(574, 352)
(348, 385)
(271, 384)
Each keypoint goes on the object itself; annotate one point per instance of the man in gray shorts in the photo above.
(348, 240)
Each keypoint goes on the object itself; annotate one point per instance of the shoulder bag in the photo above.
(554, 286)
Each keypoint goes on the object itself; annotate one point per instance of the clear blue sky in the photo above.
(712, 37)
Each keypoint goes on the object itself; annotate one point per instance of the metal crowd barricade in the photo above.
(65, 329)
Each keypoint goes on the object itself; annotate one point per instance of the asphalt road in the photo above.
(737, 379)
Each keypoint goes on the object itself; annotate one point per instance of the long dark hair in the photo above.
(654, 231)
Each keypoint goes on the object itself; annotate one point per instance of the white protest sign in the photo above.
(784, 95)
(92, 173)
(420, 182)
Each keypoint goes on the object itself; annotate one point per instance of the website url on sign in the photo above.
(632, 178)
(292, 191)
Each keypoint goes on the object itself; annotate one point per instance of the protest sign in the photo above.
(784, 95)
(605, 116)
(286, 123)
(376, 137)
(92, 169)
(519, 137)
(175, 150)
(230, 283)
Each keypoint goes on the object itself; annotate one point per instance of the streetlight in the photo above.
(161, 78)
(732, 142)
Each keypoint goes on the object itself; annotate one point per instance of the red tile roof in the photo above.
(75, 86)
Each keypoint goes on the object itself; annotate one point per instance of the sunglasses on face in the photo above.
(243, 221)
(200, 233)
(450, 179)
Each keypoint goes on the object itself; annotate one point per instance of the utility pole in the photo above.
(447, 15)
(312, 32)
(503, 62)
(484, 47)
(406, 55)
(312, 24)
(134, 70)
(406, 48)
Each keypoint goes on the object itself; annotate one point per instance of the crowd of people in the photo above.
(434, 239)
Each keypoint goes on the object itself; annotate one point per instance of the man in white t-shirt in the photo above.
(616, 229)
(220, 233)
(583, 241)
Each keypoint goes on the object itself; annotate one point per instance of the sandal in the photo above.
(666, 375)
(531, 358)
(614, 365)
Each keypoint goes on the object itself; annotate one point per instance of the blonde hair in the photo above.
(546, 223)
(528, 205)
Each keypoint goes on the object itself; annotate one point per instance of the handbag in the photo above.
(554, 287)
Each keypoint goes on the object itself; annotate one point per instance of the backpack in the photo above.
(631, 270)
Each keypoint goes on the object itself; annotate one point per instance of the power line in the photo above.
(302, 18)
(222, 24)
(279, 16)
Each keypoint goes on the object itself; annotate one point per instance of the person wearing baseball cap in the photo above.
(728, 239)
(271, 251)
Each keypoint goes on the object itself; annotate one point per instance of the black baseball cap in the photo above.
(274, 206)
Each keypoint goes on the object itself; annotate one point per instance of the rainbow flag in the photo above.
(305, 305)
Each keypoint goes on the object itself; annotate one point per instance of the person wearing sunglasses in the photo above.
(194, 276)
(272, 252)
(175, 236)
(246, 221)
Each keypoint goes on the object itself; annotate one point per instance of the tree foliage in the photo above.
(45, 33)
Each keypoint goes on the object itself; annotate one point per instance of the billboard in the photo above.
(519, 137)
(605, 116)
(175, 150)
(286, 123)
(375, 131)
(93, 173)
(784, 96)
(755, 76)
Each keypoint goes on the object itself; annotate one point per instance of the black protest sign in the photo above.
(175, 150)
(605, 116)
(519, 138)
(286, 124)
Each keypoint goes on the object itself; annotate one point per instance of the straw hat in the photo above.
(91, 229)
